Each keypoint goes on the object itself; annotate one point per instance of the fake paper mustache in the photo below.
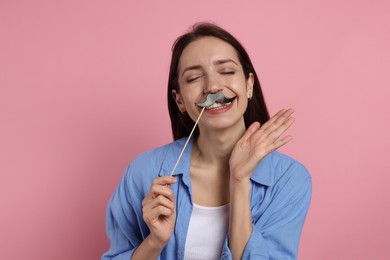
(215, 97)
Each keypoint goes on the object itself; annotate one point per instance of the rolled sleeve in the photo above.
(121, 223)
(277, 235)
(120, 246)
(122, 256)
(257, 246)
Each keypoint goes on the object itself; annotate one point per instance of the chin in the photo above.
(220, 124)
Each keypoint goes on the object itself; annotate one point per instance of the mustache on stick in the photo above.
(215, 97)
(185, 145)
(210, 99)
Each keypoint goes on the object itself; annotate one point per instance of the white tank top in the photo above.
(207, 232)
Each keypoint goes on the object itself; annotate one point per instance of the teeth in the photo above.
(217, 105)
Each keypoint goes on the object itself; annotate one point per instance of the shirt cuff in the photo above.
(122, 256)
(256, 247)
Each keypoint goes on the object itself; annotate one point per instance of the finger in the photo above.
(157, 190)
(267, 139)
(149, 205)
(283, 127)
(282, 119)
(159, 211)
(271, 137)
(163, 201)
(279, 117)
(167, 201)
(164, 180)
(151, 215)
(273, 118)
(279, 143)
(152, 204)
(250, 131)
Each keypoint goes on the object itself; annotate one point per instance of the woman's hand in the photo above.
(159, 210)
(257, 142)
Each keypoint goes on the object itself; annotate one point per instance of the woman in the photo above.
(232, 195)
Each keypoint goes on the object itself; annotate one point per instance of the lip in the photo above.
(211, 98)
(221, 110)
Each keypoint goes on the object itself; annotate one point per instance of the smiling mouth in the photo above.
(217, 105)
(216, 101)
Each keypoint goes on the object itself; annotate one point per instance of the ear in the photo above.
(179, 101)
(249, 85)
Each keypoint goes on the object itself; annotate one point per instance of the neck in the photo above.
(213, 148)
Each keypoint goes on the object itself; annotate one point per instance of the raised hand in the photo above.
(159, 212)
(257, 142)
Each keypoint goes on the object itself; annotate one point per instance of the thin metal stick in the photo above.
(185, 145)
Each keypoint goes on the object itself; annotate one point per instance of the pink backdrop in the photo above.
(82, 91)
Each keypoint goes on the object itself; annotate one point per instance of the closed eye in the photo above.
(192, 79)
(228, 73)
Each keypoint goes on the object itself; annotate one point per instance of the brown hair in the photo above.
(181, 123)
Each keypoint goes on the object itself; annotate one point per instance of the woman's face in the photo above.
(209, 65)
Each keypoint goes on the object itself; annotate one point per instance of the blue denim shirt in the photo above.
(280, 198)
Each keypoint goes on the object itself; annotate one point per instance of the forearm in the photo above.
(149, 249)
(240, 226)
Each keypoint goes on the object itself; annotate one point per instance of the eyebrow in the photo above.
(195, 67)
(225, 61)
(218, 62)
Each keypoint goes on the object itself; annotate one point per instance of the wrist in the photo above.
(239, 179)
(237, 185)
(150, 248)
(154, 243)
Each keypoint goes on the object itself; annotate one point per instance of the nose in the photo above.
(212, 84)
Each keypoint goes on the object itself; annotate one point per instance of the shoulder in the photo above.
(284, 163)
(148, 165)
(284, 180)
(277, 167)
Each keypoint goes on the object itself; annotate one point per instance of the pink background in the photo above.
(82, 91)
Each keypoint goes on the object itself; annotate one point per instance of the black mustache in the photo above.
(215, 97)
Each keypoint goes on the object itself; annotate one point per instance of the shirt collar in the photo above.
(262, 173)
(172, 155)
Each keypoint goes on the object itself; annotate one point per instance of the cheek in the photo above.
(240, 89)
(244, 104)
(192, 95)
(183, 94)
(243, 98)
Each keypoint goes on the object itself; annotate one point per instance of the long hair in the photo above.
(181, 123)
